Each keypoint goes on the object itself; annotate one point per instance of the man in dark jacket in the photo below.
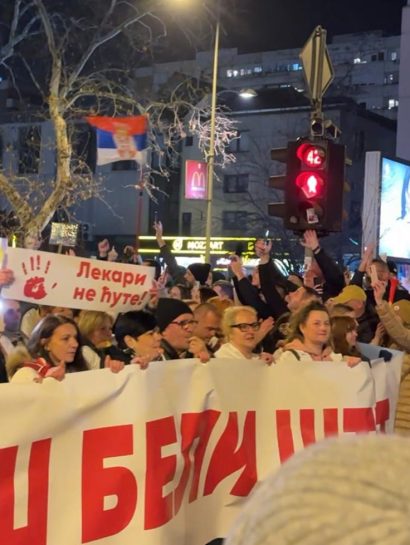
(176, 324)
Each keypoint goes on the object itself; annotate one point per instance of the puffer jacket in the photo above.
(401, 341)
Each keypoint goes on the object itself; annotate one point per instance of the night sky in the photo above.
(279, 24)
(263, 25)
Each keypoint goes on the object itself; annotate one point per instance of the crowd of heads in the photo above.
(201, 313)
(198, 310)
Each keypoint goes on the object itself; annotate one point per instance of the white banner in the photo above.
(59, 280)
(168, 455)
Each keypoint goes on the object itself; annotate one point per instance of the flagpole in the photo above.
(139, 210)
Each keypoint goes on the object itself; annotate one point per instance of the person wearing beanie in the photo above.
(197, 272)
(176, 324)
(344, 491)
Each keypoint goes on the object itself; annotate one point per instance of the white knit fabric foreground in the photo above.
(344, 491)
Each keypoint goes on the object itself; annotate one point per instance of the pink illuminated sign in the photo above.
(196, 180)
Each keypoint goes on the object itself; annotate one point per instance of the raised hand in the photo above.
(236, 267)
(112, 254)
(379, 289)
(265, 327)
(158, 229)
(367, 257)
(378, 334)
(310, 239)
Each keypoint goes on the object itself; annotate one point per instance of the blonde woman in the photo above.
(240, 326)
(96, 332)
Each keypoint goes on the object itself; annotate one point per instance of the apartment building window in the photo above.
(243, 72)
(189, 141)
(393, 56)
(236, 183)
(379, 56)
(234, 220)
(239, 144)
(392, 103)
(29, 142)
(391, 78)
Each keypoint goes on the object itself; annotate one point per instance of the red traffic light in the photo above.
(311, 183)
(311, 155)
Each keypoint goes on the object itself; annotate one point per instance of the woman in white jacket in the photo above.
(240, 326)
(309, 336)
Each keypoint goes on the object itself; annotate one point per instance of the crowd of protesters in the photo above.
(200, 313)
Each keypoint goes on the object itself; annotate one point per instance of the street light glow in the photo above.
(248, 93)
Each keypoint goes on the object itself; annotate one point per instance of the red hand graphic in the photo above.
(34, 287)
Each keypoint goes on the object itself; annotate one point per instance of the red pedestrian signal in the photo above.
(314, 185)
(311, 184)
(311, 155)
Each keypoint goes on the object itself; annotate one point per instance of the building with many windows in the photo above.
(366, 70)
(241, 191)
(362, 101)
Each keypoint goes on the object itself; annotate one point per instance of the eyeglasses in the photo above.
(185, 323)
(254, 326)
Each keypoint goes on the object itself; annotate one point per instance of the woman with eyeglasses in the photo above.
(240, 326)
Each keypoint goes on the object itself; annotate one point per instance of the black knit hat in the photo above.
(168, 309)
(392, 266)
(200, 271)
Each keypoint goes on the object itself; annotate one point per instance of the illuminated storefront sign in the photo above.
(196, 180)
(196, 245)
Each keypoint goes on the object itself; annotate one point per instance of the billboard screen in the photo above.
(394, 221)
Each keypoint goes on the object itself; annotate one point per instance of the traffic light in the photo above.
(313, 185)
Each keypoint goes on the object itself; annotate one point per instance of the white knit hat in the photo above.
(343, 491)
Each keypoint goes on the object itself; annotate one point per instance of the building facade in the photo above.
(366, 69)
(241, 192)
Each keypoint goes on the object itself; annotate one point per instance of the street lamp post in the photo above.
(211, 151)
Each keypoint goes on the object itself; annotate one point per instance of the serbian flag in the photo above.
(121, 138)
